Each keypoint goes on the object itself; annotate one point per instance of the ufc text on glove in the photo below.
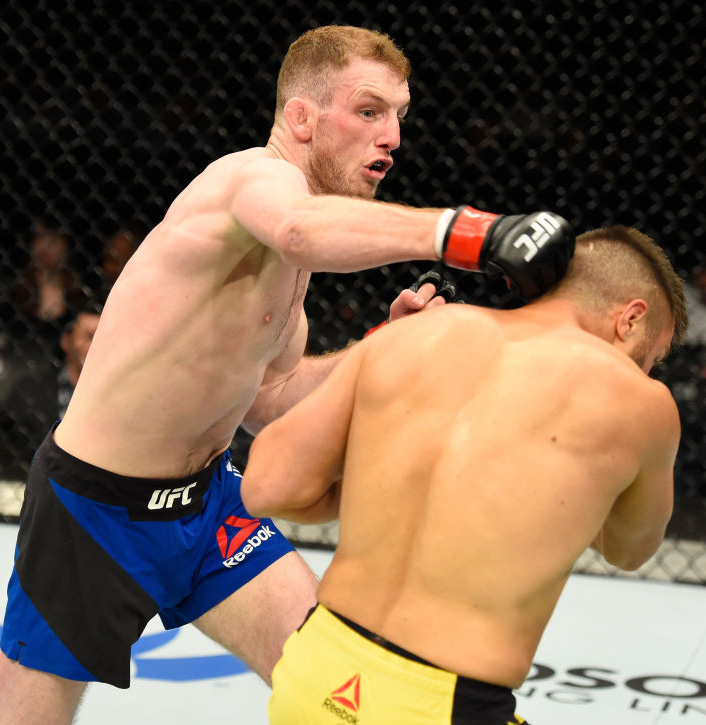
(532, 250)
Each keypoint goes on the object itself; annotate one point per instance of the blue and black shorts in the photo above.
(99, 554)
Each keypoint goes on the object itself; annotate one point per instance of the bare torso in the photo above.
(448, 540)
(187, 333)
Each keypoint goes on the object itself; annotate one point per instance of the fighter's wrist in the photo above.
(442, 226)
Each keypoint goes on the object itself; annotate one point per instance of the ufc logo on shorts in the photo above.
(542, 228)
(166, 497)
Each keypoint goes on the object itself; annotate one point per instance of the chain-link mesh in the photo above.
(107, 110)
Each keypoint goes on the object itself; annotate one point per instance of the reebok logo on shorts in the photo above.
(234, 532)
(348, 695)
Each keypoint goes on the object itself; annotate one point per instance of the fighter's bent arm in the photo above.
(293, 375)
(289, 378)
(638, 520)
(296, 463)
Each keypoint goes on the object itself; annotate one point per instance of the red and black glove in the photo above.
(531, 250)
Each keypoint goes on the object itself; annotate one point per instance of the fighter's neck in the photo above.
(283, 147)
(562, 312)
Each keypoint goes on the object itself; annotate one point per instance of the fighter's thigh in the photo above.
(31, 697)
(254, 621)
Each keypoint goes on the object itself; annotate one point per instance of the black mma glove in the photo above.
(532, 250)
(444, 288)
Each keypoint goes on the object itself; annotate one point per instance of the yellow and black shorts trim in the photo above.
(334, 672)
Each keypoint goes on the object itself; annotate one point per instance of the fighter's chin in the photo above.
(366, 190)
(360, 189)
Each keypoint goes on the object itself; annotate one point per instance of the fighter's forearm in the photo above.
(339, 234)
(278, 480)
(628, 553)
(277, 397)
(321, 511)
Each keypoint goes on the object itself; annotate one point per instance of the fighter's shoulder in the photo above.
(218, 182)
(604, 364)
(472, 323)
(450, 326)
(649, 406)
(596, 358)
(658, 397)
(453, 314)
(252, 162)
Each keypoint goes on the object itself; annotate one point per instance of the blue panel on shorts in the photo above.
(23, 617)
(190, 564)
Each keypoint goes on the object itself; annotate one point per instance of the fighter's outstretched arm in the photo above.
(331, 233)
(327, 233)
(296, 463)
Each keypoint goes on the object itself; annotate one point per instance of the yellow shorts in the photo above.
(330, 674)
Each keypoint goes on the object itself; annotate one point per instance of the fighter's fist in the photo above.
(531, 250)
(430, 290)
(444, 289)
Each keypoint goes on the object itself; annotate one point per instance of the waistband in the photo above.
(377, 639)
(474, 691)
(145, 498)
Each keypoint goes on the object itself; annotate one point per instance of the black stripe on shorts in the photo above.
(90, 602)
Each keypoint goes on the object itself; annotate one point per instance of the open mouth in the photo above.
(378, 168)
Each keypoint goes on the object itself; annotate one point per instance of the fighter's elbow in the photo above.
(294, 241)
(258, 502)
(254, 495)
(251, 498)
(261, 495)
(625, 563)
(633, 555)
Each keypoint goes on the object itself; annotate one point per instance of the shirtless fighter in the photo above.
(471, 456)
(133, 506)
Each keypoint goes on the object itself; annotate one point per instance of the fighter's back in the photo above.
(458, 446)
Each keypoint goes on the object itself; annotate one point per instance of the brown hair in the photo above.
(312, 59)
(615, 264)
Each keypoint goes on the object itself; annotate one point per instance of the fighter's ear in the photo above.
(628, 319)
(299, 114)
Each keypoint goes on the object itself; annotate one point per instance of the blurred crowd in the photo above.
(49, 313)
